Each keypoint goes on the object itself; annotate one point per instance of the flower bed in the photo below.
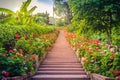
(96, 57)
(22, 48)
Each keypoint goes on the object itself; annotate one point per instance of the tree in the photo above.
(42, 17)
(61, 8)
(20, 17)
(102, 15)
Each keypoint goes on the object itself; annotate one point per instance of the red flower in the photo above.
(11, 50)
(117, 72)
(5, 73)
(17, 35)
(118, 77)
(96, 42)
(31, 59)
(33, 65)
(96, 48)
(112, 57)
(21, 51)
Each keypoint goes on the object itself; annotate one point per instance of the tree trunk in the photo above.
(109, 31)
(68, 13)
(109, 28)
(109, 36)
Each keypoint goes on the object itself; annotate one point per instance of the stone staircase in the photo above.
(61, 63)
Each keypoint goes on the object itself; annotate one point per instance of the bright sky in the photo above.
(42, 5)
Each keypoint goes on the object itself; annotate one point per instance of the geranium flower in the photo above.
(4, 78)
(17, 35)
(82, 60)
(17, 53)
(112, 57)
(96, 42)
(5, 73)
(31, 59)
(20, 51)
(96, 48)
(10, 51)
(92, 61)
(118, 77)
(112, 50)
(33, 65)
(117, 72)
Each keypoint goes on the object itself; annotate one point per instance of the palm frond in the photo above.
(8, 11)
(7, 20)
(32, 9)
(25, 5)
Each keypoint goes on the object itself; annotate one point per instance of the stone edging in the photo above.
(95, 76)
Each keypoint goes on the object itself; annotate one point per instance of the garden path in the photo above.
(61, 63)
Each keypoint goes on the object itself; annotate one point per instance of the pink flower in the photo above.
(92, 61)
(112, 50)
(5, 73)
(82, 60)
(118, 77)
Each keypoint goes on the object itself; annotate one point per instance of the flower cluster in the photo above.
(96, 56)
(21, 55)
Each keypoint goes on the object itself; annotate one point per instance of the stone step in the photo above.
(61, 69)
(64, 62)
(52, 57)
(61, 66)
(70, 61)
(60, 77)
(61, 63)
(62, 72)
(59, 59)
(56, 63)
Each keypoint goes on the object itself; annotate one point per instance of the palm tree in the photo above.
(23, 16)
